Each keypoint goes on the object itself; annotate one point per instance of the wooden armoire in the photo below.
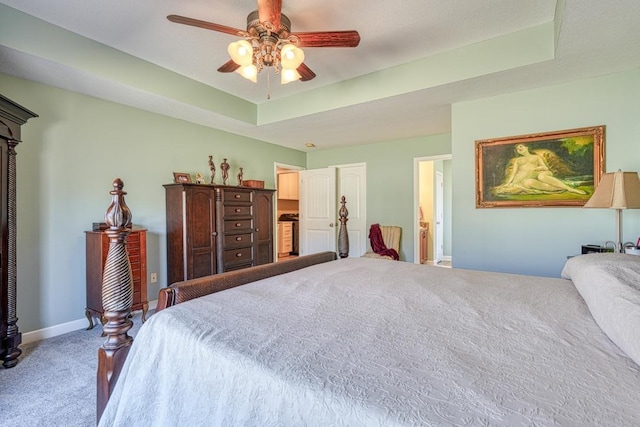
(216, 228)
(12, 117)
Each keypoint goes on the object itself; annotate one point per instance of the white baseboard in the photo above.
(54, 331)
(446, 258)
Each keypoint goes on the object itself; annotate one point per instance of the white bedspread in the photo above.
(368, 342)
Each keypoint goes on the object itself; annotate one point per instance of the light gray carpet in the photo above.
(55, 382)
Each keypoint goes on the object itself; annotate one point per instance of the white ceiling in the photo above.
(596, 37)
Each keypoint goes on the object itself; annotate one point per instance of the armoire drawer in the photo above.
(231, 240)
(240, 255)
(236, 196)
(238, 224)
(233, 211)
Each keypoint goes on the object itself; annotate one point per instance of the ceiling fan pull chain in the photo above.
(268, 85)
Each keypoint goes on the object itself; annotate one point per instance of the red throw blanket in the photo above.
(377, 244)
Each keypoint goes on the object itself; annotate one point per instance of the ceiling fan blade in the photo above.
(305, 73)
(329, 39)
(270, 11)
(228, 67)
(204, 24)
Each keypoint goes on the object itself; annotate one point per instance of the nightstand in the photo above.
(97, 247)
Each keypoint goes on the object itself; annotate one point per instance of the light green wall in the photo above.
(78, 145)
(390, 192)
(538, 240)
(69, 158)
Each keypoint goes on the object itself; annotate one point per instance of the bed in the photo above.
(371, 342)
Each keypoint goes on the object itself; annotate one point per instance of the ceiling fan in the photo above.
(269, 42)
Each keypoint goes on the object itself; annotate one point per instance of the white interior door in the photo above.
(352, 184)
(439, 215)
(318, 213)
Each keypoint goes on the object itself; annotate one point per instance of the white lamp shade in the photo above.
(249, 72)
(291, 56)
(617, 190)
(288, 76)
(241, 52)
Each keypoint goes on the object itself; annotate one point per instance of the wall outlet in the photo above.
(154, 277)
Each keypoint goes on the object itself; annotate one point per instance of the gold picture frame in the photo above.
(560, 168)
(181, 177)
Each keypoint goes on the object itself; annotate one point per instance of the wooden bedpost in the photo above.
(343, 236)
(117, 298)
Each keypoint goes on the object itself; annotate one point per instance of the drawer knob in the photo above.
(238, 224)
(239, 254)
(238, 210)
(237, 196)
(257, 229)
(238, 239)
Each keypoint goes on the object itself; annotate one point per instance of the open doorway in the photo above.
(432, 208)
(286, 211)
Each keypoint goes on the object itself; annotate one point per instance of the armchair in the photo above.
(384, 241)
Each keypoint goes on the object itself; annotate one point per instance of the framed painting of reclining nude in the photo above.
(560, 168)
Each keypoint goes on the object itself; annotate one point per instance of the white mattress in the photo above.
(366, 342)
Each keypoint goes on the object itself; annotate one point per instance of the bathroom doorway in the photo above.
(432, 207)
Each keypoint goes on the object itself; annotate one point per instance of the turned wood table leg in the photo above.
(145, 309)
(89, 318)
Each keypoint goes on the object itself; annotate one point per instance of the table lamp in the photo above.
(617, 190)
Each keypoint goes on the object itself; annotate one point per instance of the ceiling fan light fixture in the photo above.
(287, 76)
(269, 42)
(291, 56)
(249, 72)
(241, 52)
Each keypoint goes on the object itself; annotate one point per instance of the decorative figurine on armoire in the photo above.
(212, 168)
(240, 176)
(224, 166)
